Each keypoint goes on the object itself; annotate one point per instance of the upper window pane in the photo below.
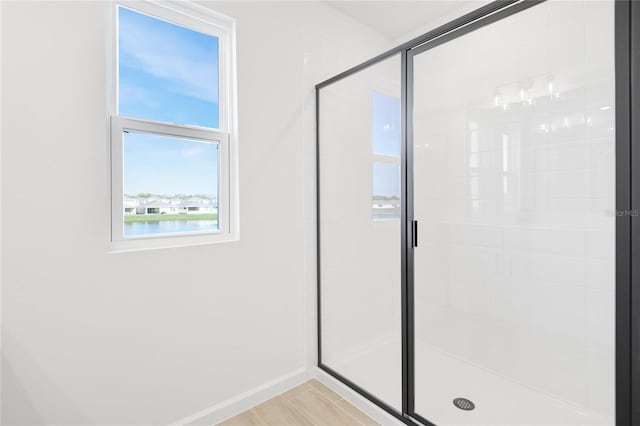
(166, 72)
(386, 124)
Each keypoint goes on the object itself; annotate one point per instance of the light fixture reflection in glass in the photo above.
(525, 92)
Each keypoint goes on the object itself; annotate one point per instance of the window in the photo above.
(173, 149)
(386, 157)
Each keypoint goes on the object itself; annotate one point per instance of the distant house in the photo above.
(386, 203)
(130, 205)
(165, 205)
(196, 205)
(159, 207)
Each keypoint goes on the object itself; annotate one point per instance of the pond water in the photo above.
(168, 226)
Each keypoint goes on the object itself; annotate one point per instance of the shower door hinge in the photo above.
(414, 233)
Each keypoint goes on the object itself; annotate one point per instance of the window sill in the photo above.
(169, 242)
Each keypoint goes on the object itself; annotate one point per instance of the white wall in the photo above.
(462, 8)
(150, 337)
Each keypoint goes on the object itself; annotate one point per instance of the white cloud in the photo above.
(192, 152)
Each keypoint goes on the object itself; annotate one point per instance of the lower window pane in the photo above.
(170, 185)
(386, 191)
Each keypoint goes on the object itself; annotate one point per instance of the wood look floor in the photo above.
(310, 404)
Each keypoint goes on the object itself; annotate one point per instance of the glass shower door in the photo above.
(513, 191)
(360, 239)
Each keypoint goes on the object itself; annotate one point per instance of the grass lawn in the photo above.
(158, 217)
(383, 212)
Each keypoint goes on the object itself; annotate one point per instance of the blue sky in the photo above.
(167, 73)
(386, 179)
(386, 124)
(163, 165)
(386, 141)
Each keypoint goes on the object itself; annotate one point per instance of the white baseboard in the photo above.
(232, 406)
(244, 401)
(366, 406)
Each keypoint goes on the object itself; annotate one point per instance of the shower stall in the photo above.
(475, 220)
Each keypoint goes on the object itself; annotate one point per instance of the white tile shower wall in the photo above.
(517, 248)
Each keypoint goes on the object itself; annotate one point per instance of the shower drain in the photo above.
(464, 404)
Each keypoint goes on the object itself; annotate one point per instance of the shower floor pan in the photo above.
(441, 378)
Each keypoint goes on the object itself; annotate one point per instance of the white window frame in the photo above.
(206, 21)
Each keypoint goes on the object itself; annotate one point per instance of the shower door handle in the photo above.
(414, 233)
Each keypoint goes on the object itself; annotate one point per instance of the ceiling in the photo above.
(396, 19)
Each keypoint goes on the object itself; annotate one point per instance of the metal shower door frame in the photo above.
(627, 64)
